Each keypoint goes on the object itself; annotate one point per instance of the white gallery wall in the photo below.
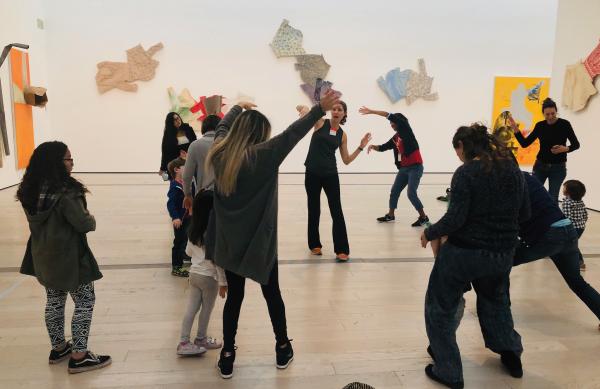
(223, 48)
(577, 34)
(18, 25)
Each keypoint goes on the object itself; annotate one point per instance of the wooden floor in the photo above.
(360, 321)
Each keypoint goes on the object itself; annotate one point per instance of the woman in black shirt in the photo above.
(489, 197)
(551, 161)
(177, 134)
(322, 173)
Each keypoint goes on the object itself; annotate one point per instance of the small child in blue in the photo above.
(179, 216)
(574, 208)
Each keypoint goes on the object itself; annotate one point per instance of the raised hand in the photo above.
(247, 105)
(365, 111)
(365, 140)
(330, 99)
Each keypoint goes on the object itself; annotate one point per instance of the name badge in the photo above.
(332, 132)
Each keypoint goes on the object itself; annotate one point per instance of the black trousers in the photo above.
(331, 185)
(179, 243)
(233, 306)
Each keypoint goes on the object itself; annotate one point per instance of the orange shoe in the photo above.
(342, 257)
(316, 251)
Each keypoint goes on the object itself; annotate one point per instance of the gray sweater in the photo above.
(194, 164)
(246, 221)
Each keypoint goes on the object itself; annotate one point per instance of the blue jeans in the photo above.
(560, 244)
(454, 270)
(411, 176)
(554, 172)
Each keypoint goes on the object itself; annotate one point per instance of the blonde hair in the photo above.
(227, 156)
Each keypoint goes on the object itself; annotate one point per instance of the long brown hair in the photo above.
(227, 156)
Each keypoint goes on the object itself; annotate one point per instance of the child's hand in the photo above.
(177, 223)
(222, 291)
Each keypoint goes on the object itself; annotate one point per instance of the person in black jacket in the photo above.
(177, 134)
(551, 161)
(408, 160)
(489, 199)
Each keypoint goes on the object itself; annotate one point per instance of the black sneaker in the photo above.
(89, 362)
(225, 364)
(285, 355)
(386, 218)
(430, 352)
(421, 221)
(59, 356)
(512, 362)
(433, 376)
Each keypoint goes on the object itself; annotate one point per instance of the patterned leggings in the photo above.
(84, 299)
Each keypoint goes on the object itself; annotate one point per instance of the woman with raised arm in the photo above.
(246, 165)
(408, 160)
(322, 174)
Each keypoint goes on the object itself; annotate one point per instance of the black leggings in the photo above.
(331, 185)
(233, 305)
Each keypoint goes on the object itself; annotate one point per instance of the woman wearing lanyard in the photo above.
(322, 173)
(551, 161)
(407, 157)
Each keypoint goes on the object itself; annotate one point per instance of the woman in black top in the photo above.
(177, 134)
(551, 161)
(489, 197)
(321, 173)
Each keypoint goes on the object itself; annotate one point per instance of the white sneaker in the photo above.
(208, 343)
(188, 348)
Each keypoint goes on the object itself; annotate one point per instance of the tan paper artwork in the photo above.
(122, 75)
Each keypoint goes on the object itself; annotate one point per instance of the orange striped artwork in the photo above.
(22, 113)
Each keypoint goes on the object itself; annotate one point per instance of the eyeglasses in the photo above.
(68, 159)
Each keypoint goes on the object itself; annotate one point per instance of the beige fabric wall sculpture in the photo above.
(122, 75)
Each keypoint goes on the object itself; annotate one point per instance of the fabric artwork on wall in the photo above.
(394, 84)
(287, 41)
(592, 62)
(122, 75)
(211, 105)
(22, 112)
(579, 86)
(182, 104)
(513, 98)
(408, 84)
(311, 67)
(310, 90)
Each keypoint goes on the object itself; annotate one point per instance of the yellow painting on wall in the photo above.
(521, 98)
(22, 113)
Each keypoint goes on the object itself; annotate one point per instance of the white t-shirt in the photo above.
(203, 266)
(181, 140)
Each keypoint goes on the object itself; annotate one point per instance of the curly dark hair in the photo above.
(477, 142)
(46, 166)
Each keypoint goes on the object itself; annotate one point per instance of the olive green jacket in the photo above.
(57, 252)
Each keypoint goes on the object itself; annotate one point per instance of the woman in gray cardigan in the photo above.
(246, 164)
(57, 252)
